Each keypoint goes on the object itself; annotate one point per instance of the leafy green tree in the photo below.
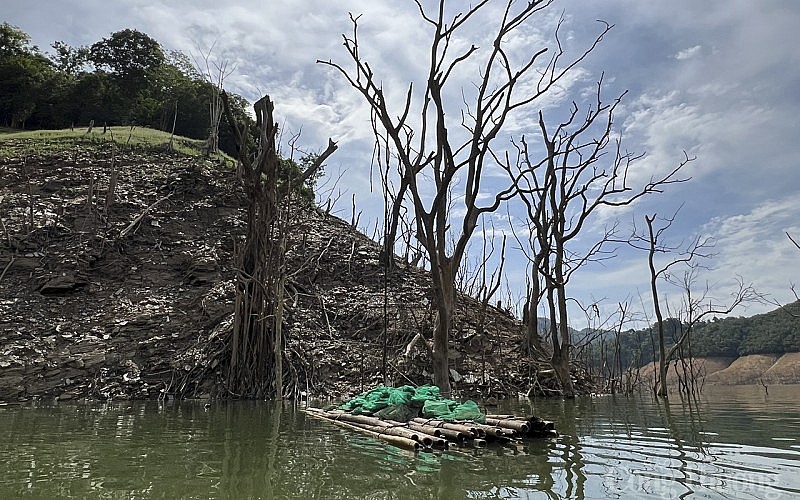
(25, 72)
(131, 58)
(96, 96)
(15, 42)
(124, 78)
(69, 60)
(127, 53)
(52, 101)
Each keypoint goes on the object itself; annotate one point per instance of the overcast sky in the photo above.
(719, 79)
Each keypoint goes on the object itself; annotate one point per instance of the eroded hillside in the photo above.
(130, 295)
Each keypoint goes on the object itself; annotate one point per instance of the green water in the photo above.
(737, 443)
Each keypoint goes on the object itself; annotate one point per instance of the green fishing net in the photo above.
(407, 402)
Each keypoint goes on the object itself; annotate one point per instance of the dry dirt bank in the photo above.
(129, 295)
(746, 370)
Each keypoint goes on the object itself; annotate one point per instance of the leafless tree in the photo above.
(616, 373)
(696, 304)
(214, 73)
(794, 242)
(475, 279)
(687, 254)
(584, 168)
(773, 301)
(437, 152)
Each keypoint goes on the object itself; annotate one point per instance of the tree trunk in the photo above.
(532, 340)
(387, 252)
(277, 347)
(661, 383)
(445, 297)
(562, 365)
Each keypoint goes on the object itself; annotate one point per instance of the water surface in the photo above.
(735, 442)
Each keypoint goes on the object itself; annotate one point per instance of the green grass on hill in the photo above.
(135, 138)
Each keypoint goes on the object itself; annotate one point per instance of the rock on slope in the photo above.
(130, 295)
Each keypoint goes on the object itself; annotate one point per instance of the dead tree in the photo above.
(696, 304)
(687, 254)
(536, 250)
(440, 150)
(214, 74)
(394, 197)
(562, 190)
(255, 365)
(697, 248)
(486, 289)
(794, 242)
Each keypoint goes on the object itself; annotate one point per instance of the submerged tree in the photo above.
(697, 304)
(584, 169)
(439, 150)
(256, 345)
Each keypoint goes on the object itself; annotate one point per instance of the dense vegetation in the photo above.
(775, 332)
(124, 79)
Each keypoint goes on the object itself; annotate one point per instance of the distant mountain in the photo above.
(775, 332)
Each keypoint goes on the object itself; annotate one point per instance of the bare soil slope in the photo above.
(786, 370)
(127, 293)
(701, 367)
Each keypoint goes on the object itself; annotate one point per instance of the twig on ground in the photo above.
(7, 268)
(138, 219)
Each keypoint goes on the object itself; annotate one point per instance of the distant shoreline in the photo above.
(754, 369)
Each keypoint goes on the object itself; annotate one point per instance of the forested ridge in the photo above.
(775, 332)
(127, 78)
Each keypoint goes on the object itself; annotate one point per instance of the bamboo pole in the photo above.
(423, 439)
(536, 425)
(469, 430)
(438, 431)
(496, 432)
(398, 441)
(404, 432)
(539, 426)
(507, 423)
(396, 429)
(426, 433)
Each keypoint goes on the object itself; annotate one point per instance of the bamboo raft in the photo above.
(424, 434)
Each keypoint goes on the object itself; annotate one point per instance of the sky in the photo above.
(717, 80)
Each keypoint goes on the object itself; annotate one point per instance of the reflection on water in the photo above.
(733, 443)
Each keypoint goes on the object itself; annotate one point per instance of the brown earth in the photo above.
(130, 295)
(752, 369)
(745, 370)
(785, 371)
(702, 367)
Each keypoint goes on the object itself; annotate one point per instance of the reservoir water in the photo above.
(734, 442)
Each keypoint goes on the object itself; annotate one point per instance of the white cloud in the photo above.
(754, 245)
(717, 79)
(688, 53)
